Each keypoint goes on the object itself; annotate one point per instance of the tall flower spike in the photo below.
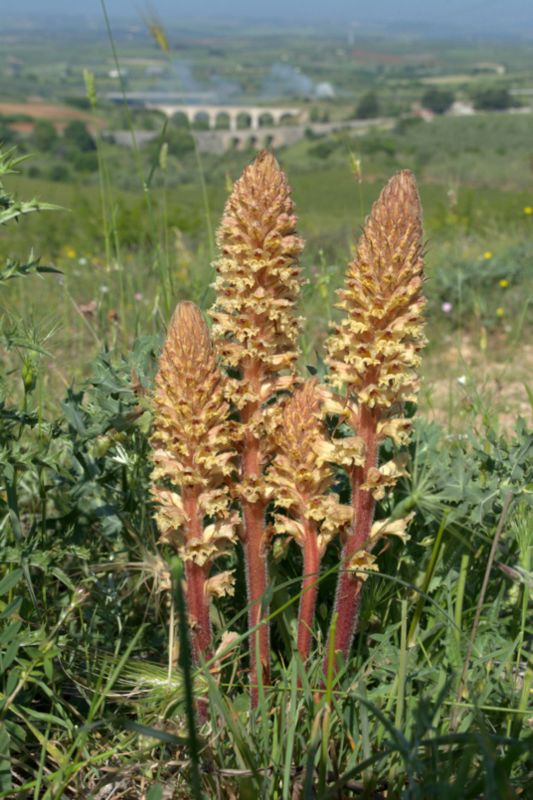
(193, 457)
(300, 479)
(373, 356)
(256, 332)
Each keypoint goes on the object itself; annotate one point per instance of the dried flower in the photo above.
(373, 355)
(193, 457)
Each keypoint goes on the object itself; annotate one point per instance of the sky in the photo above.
(495, 14)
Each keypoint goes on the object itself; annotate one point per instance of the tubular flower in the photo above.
(256, 331)
(300, 480)
(373, 356)
(193, 456)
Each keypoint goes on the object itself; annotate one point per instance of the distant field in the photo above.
(38, 110)
(446, 79)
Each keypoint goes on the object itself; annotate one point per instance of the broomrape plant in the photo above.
(251, 434)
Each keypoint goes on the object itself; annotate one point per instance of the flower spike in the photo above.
(193, 457)
(301, 481)
(373, 356)
(256, 330)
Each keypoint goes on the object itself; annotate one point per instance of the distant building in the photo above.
(117, 73)
(422, 113)
(460, 108)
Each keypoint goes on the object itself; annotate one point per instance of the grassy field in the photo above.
(98, 697)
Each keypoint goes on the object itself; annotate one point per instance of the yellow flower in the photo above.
(487, 255)
(528, 210)
(504, 283)
(500, 311)
(70, 252)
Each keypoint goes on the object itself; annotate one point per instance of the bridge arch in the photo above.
(201, 120)
(244, 120)
(287, 118)
(222, 120)
(266, 120)
(180, 119)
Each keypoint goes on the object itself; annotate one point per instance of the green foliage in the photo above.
(78, 137)
(437, 100)
(495, 99)
(179, 141)
(368, 106)
(44, 135)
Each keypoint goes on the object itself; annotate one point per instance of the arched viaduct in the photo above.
(255, 116)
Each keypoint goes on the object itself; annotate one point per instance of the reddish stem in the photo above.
(256, 582)
(311, 569)
(349, 586)
(253, 544)
(196, 576)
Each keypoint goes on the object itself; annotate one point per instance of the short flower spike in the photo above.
(193, 457)
(301, 482)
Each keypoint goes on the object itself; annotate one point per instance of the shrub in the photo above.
(496, 99)
(78, 137)
(44, 135)
(437, 100)
(368, 106)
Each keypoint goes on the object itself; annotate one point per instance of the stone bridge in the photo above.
(218, 141)
(235, 117)
(217, 115)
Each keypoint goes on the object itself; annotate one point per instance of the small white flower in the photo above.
(104, 289)
(461, 380)
(82, 262)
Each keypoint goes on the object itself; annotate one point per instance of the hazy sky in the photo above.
(516, 14)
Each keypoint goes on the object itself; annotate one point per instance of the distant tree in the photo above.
(7, 135)
(77, 135)
(368, 106)
(200, 124)
(179, 120)
(437, 100)
(179, 142)
(84, 161)
(44, 135)
(494, 100)
(59, 173)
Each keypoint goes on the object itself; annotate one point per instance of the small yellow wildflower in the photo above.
(528, 210)
(70, 252)
(487, 255)
(500, 311)
(504, 283)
